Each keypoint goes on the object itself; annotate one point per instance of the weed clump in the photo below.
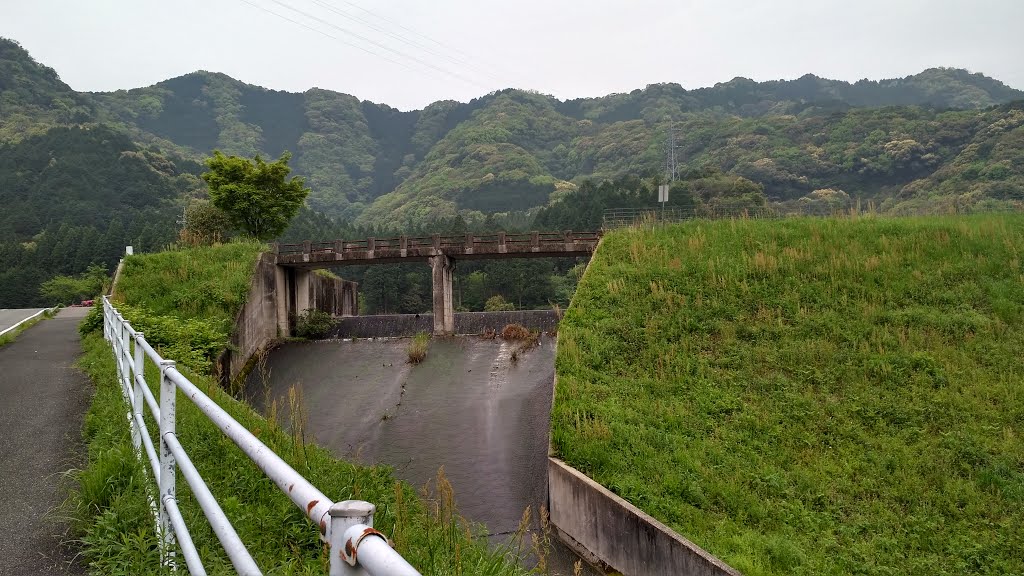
(313, 324)
(515, 332)
(418, 348)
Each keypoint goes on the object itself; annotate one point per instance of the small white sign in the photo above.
(129, 250)
(663, 193)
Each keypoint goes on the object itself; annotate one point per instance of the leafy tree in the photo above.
(204, 223)
(71, 289)
(825, 202)
(256, 195)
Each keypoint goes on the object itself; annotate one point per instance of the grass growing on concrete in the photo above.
(812, 396)
(111, 508)
(418, 347)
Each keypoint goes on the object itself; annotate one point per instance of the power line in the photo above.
(400, 38)
(332, 37)
(379, 45)
(409, 30)
(466, 59)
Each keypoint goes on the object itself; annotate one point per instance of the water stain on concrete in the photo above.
(469, 408)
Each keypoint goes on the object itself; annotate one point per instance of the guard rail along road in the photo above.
(347, 526)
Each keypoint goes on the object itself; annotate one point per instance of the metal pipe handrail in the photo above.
(369, 553)
(154, 460)
(188, 548)
(299, 490)
(222, 528)
(154, 409)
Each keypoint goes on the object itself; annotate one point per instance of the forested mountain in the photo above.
(941, 139)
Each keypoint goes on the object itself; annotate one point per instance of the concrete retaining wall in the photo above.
(257, 323)
(332, 295)
(407, 325)
(618, 534)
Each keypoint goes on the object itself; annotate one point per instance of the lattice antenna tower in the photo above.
(671, 167)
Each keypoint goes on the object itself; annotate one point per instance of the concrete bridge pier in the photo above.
(443, 269)
(297, 290)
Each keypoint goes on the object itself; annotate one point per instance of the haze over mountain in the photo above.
(927, 142)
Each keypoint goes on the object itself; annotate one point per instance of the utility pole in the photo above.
(671, 169)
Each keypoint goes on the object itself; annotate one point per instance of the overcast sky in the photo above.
(408, 54)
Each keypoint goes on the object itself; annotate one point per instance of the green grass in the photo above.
(110, 504)
(809, 396)
(206, 282)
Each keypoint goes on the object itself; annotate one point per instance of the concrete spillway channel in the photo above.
(469, 407)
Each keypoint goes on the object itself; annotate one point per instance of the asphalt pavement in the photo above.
(9, 317)
(43, 399)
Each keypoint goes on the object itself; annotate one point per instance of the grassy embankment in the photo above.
(203, 288)
(811, 396)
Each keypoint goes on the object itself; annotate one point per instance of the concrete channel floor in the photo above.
(468, 408)
(43, 399)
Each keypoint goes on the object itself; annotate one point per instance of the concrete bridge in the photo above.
(296, 261)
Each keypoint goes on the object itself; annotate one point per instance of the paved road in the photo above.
(43, 398)
(468, 407)
(9, 318)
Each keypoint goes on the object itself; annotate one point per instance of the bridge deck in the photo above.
(461, 247)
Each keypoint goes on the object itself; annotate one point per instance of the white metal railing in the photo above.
(346, 526)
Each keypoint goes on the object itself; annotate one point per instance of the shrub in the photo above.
(93, 321)
(192, 342)
(204, 224)
(498, 304)
(418, 348)
(313, 324)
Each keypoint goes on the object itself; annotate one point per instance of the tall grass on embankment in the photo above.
(808, 396)
(110, 506)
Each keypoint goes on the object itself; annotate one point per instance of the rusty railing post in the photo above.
(344, 515)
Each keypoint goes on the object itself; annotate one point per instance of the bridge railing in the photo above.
(346, 526)
(437, 241)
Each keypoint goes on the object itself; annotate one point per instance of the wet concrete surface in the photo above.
(469, 408)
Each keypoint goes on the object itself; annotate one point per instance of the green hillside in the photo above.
(808, 396)
(110, 169)
(507, 151)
